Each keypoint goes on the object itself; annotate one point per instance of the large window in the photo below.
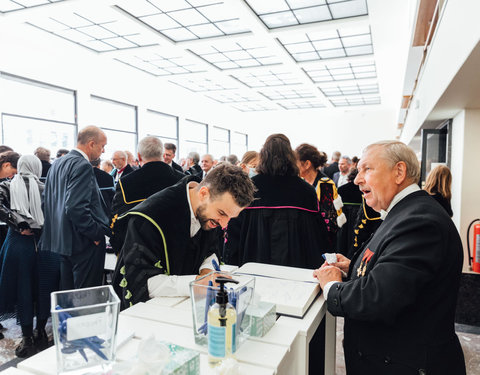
(194, 136)
(36, 114)
(221, 142)
(239, 144)
(118, 121)
(160, 125)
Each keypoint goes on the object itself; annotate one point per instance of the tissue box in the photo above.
(262, 318)
(183, 361)
(203, 296)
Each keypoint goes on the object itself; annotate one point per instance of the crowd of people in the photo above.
(398, 253)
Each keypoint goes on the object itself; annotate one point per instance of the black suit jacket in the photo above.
(177, 167)
(128, 169)
(331, 169)
(399, 313)
(73, 207)
(195, 170)
(106, 183)
(135, 188)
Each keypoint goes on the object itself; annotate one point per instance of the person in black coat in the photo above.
(439, 186)
(283, 225)
(169, 154)
(194, 169)
(333, 166)
(44, 155)
(400, 295)
(122, 168)
(153, 176)
(175, 232)
(106, 183)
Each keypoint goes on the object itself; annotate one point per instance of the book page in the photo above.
(279, 272)
(291, 297)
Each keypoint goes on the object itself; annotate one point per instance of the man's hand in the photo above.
(204, 272)
(326, 274)
(26, 232)
(212, 277)
(96, 243)
(342, 262)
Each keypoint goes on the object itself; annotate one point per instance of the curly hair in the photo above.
(228, 178)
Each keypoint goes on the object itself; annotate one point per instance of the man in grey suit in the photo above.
(75, 220)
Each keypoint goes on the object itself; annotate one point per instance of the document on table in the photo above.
(291, 289)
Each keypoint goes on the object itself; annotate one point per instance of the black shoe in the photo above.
(26, 348)
(40, 338)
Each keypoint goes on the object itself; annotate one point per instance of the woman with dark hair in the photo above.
(282, 225)
(309, 161)
(439, 186)
(8, 164)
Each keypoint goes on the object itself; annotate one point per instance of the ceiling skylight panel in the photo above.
(309, 56)
(347, 9)
(216, 12)
(74, 36)
(140, 8)
(160, 21)
(179, 35)
(97, 32)
(301, 104)
(226, 65)
(300, 47)
(360, 50)
(8, 6)
(286, 93)
(313, 14)
(170, 5)
(188, 17)
(98, 45)
(31, 3)
(270, 6)
(331, 53)
(205, 31)
(327, 44)
(231, 27)
(231, 97)
(247, 63)
(254, 107)
(295, 4)
(281, 19)
(345, 102)
(357, 40)
(120, 43)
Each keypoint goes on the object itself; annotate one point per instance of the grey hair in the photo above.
(347, 158)
(194, 156)
(150, 148)
(121, 153)
(396, 151)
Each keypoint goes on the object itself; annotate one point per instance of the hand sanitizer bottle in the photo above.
(222, 322)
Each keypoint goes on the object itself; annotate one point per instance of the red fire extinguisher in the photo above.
(474, 261)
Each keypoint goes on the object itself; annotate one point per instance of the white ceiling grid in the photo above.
(254, 55)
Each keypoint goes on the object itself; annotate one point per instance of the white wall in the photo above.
(457, 34)
(348, 131)
(465, 179)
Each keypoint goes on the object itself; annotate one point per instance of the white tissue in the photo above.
(228, 366)
(331, 257)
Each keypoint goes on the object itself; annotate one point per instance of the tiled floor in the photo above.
(469, 338)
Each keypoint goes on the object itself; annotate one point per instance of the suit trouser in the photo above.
(84, 269)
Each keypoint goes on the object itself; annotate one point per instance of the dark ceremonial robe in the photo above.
(444, 202)
(177, 167)
(352, 202)
(128, 169)
(399, 313)
(282, 226)
(158, 242)
(135, 188)
(194, 170)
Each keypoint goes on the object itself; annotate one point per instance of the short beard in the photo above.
(202, 218)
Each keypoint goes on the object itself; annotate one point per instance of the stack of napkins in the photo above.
(182, 361)
(262, 317)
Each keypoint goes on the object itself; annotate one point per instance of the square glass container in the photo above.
(84, 326)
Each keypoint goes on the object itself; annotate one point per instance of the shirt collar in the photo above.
(82, 153)
(194, 222)
(121, 170)
(397, 198)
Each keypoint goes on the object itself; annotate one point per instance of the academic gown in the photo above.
(282, 226)
(158, 242)
(400, 298)
(134, 188)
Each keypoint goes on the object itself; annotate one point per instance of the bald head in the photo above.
(92, 140)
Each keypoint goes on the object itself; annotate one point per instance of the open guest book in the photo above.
(291, 289)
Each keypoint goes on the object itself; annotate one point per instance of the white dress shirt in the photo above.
(342, 179)
(175, 285)
(83, 154)
(397, 198)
